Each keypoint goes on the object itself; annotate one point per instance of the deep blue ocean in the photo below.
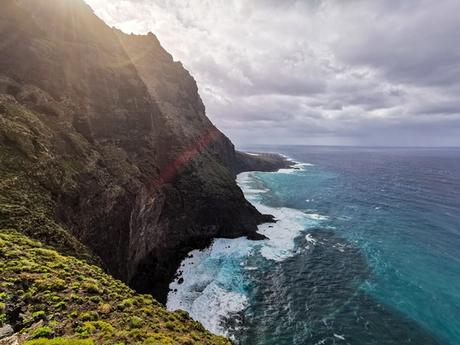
(366, 250)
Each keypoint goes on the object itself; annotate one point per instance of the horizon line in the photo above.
(353, 146)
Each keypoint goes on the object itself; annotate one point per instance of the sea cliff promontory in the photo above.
(110, 174)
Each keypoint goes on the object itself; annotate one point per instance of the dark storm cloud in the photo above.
(316, 71)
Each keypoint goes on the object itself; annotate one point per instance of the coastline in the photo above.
(245, 162)
(239, 288)
(227, 304)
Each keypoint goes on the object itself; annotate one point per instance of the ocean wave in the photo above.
(295, 168)
(290, 223)
(310, 239)
(211, 285)
(316, 216)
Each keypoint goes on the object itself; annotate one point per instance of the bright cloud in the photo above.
(314, 72)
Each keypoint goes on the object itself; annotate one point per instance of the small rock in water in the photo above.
(180, 281)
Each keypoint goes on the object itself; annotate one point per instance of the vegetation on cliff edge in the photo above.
(50, 295)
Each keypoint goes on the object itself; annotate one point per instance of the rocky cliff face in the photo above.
(106, 152)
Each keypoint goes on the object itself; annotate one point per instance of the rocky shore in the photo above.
(106, 156)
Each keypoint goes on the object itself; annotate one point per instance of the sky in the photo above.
(314, 72)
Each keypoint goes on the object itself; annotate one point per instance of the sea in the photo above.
(365, 250)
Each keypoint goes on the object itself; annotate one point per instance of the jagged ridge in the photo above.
(106, 153)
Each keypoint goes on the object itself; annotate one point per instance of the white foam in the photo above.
(310, 239)
(252, 154)
(340, 247)
(207, 292)
(212, 280)
(321, 342)
(338, 336)
(290, 223)
(316, 216)
(214, 304)
(296, 168)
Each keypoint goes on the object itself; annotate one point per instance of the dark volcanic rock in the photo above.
(109, 146)
(260, 162)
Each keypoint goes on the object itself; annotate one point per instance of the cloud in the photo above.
(314, 72)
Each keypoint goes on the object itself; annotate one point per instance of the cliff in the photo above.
(106, 153)
(259, 162)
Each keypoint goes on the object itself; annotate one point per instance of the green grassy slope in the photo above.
(61, 296)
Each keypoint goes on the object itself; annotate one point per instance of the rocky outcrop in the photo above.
(259, 162)
(105, 146)
(6, 331)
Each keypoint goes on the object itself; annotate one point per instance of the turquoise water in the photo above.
(366, 251)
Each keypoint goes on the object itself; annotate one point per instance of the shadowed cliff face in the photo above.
(112, 134)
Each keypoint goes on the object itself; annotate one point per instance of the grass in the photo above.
(42, 283)
(60, 341)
